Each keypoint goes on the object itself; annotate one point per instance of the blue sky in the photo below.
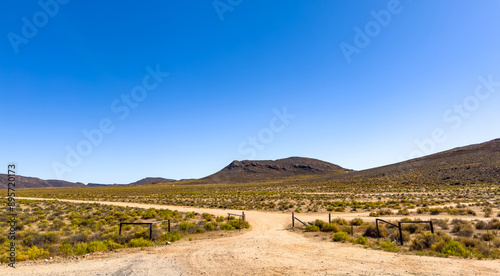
(416, 83)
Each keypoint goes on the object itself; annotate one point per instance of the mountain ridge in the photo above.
(461, 165)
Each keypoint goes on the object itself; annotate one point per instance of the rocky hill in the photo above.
(463, 165)
(249, 171)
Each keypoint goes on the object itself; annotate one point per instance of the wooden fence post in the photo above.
(400, 233)
(293, 220)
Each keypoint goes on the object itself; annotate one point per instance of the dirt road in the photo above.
(266, 249)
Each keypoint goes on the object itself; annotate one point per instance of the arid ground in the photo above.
(267, 248)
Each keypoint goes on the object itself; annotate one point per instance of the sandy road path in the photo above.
(266, 249)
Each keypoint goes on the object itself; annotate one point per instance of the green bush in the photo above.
(340, 221)
(339, 209)
(207, 216)
(389, 246)
(361, 240)
(435, 211)
(140, 242)
(239, 224)
(371, 231)
(190, 215)
(209, 226)
(462, 228)
(312, 228)
(35, 253)
(427, 240)
(227, 226)
(455, 248)
(50, 237)
(340, 236)
(80, 248)
(112, 244)
(186, 225)
(403, 212)
(357, 221)
(199, 231)
(170, 236)
(330, 227)
(96, 246)
(66, 249)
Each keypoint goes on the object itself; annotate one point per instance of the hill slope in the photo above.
(463, 165)
(33, 182)
(249, 171)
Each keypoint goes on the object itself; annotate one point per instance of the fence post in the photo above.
(432, 228)
(151, 231)
(293, 220)
(400, 233)
(352, 230)
(243, 215)
(378, 233)
(169, 225)
(329, 217)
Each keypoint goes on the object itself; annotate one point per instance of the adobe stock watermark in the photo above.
(121, 107)
(223, 6)
(373, 28)
(49, 9)
(455, 116)
(277, 124)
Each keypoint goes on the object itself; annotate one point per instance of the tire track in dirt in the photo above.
(265, 249)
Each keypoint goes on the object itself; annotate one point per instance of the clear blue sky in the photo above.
(65, 67)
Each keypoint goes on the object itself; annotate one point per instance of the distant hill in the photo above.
(463, 165)
(33, 182)
(97, 185)
(248, 171)
(151, 180)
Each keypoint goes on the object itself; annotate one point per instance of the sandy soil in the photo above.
(265, 249)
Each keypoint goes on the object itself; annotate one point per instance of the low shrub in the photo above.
(441, 223)
(140, 242)
(199, 231)
(80, 248)
(209, 226)
(35, 253)
(361, 240)
(455, 248)
(312, 228)
(462, 228)
(66, 249)
(403, 212)
(170, 236)
(112, 244)
(186, 226)
(426, 240)
(357, 221)
(340, 236)
(389, 246)
(96, 246)
(207, 216)
(371, 231)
